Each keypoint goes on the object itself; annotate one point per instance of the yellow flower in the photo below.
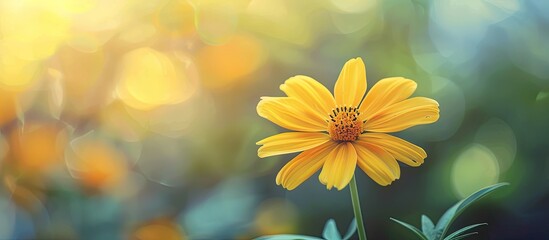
(338, 133)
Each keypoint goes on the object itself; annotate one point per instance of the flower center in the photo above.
(344, 124)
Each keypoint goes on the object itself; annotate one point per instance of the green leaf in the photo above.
(412, 228)
(465, 229)
(478, 195)
(464, 236)
(330, 231)
(451, 214)
(351, 230)
(445, 221)
(287, 237)
(427, 227)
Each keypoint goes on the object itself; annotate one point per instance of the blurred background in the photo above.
(136, 119)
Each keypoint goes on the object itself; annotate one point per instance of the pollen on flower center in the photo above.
(344, 124)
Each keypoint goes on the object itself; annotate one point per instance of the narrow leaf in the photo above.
(465, 229)
(464, 236)
(427, 227)
(287, 237)
(451, 214)
(412, 228)
(445, 221)
(478, 195)
(330, 231)
(351, 230)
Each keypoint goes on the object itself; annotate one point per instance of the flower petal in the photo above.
(303, 166)
(403, 115)
(290, 142)
(377, 163)
(351, 84)
(401, 149)
(291, 113)
(384, 93)
(310, 92)
(339, 167)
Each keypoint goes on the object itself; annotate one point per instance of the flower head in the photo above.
(338, 132)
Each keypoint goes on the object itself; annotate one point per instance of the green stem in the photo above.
(356, 209)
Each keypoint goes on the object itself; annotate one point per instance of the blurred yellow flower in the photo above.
(341, 131)
(148, 79)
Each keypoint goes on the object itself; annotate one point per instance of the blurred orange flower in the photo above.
(7, 104)
(100, 166)
(37, 147)
(227, 64)
(341, 131)
(159, 229)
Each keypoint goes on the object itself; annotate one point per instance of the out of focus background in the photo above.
(136, 119)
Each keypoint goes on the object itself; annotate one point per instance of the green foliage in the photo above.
(463, 230)
(287, 237)
(432, 232)
(465, 235)
(351, 230)
(427, 226)
(412, 228)
(330, 232)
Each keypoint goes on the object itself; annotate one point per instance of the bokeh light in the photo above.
(280, 20)
(137, 119)
(533, 56)
(216, 21)
(158, 229)
(47, 142)
(99, 165)
(474, 168)
(32, 31)
(17, 74)
(457, 27)
(79, 79)
(148, 79)
(225, 64)
(176, 18)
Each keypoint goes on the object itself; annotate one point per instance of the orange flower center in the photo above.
(344, 124)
